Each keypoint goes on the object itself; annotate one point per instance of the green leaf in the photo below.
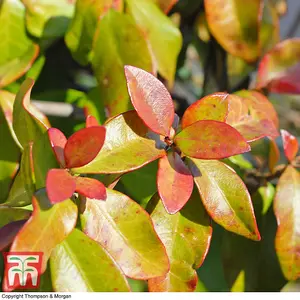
(80, 264)
(116, 32)
(287, 212)
(125, 230)
(8, 215)
(129, 143)
(140, 185)
(280, 67)
(29, 123)
(18, 52)
(23, 187)
(9, 152)
(48, 18)
(235, 27)
(79, 37)
(225, 197)
(47, 227)
(186, 236)
(158, 33)
(292, 286)
(267, 194)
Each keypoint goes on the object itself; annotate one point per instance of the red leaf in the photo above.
(60, 185)
(274, 155)
(90, 188)
(91, 121)
(150, 99)
(279, 69)
(174, 182)
(58, 142)
(211, 140)
(211, 107)
(290, 145)
(83, 146)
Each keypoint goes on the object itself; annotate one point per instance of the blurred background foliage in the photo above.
(76, 51)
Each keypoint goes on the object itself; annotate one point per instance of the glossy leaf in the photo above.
(29, 124)
(279, 68)
(165, 5)
(8, 233)
(253, 115)
(43, 159)
(23, 186)
(17, 54)
(83, 146)
(150, 99)
(186, 236)
(9, 153)
(274, 155)
(90, 188)
(211, 140)
(80, 264)
(48, 18)
(286, 208)
(115, 32)
(225, 197)
(174, 182)
(212, 107)
(11, 214)
(58, 142)
(79, 37)
(290, 145)
(129, 142)
(60, 185)
(235, 27)
(158, 33)
(91, 121)
(47, 227)
(134, 245)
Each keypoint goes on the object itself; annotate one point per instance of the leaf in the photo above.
(267, 194)
(17, 54)
(8, 233)
(115, 32)
(235, 27)
(83, 146)
(158, 33)
(80, 264)
(23, 186)
(274, 155)
(253, 115)
(225, 197)
(80, 34)
(9, 153)
(150, 99)
(90, 188)
(48, 19)
(47, 227)
(279, 68)
(9, 214)
(212, 107)
(165, 5)
(174, 182)
(58, 142)
(286, 209)
(43, 159)
(140, 185)
(129, 142)
(186, 236)
(133, 244)
(60, 185)
(29, 124)
(290, 145)
(217, 140)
